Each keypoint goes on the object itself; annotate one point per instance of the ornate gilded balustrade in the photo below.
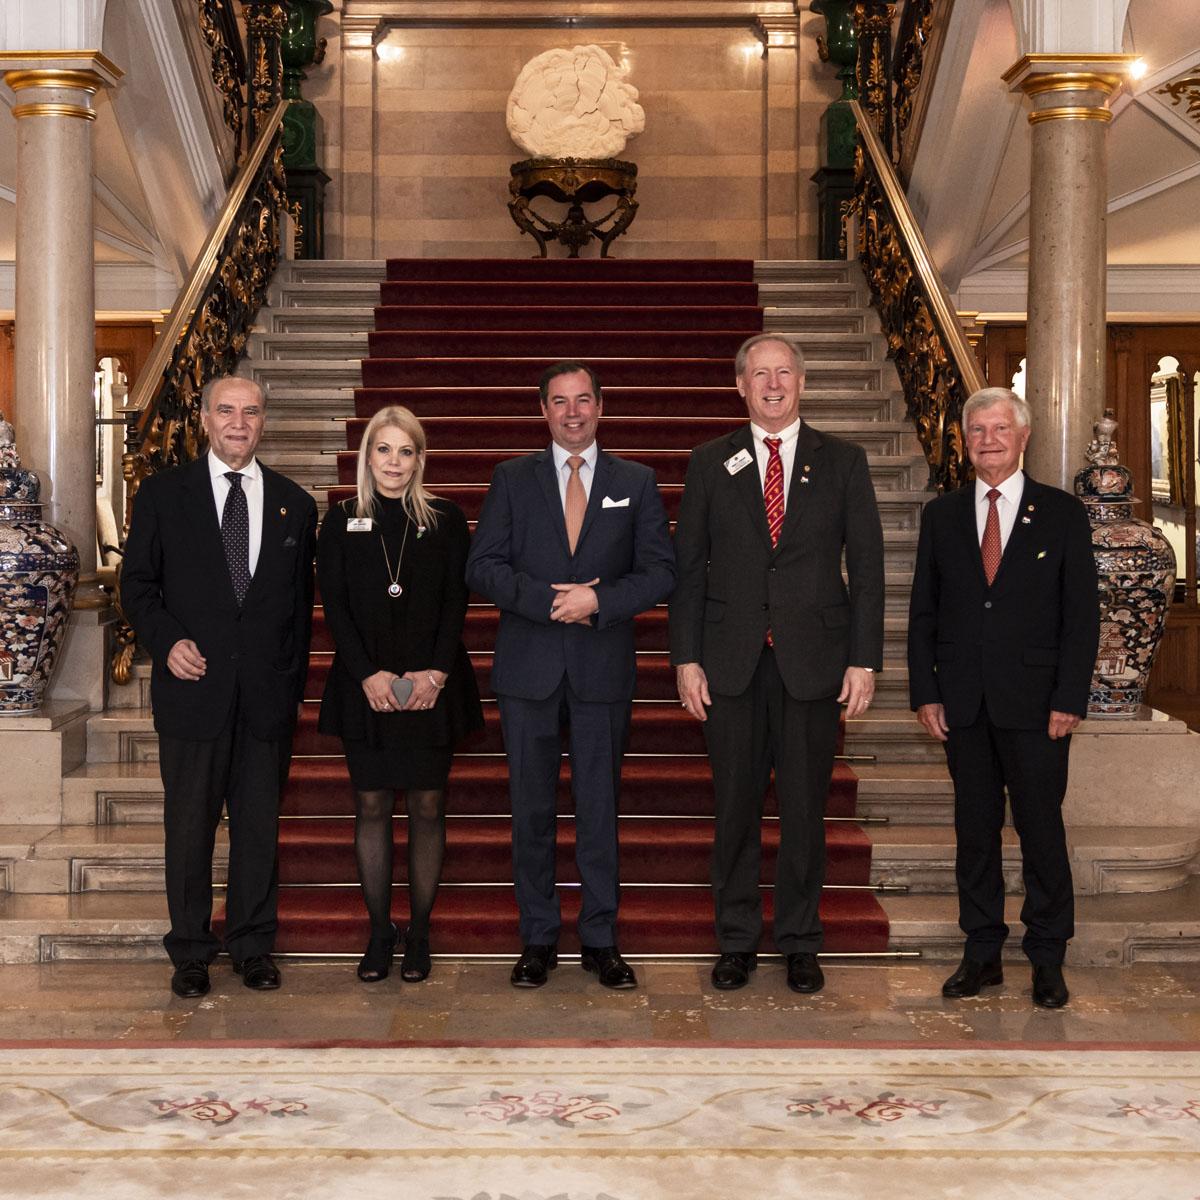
(206, 332)
(919, 42)
(218, 24)
(925, 340)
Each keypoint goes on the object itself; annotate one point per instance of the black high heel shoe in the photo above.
(416, 963)
(376, 964)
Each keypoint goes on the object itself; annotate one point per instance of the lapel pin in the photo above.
(420, 532)
(1024, 520)
(283, 512)
(803, 478)
(807, 467)
(1031, 508)
(1041, 554)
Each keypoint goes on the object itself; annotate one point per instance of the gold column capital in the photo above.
(1070, 87)
(56, 83)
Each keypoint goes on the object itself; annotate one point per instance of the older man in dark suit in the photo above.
(1003, 631)
(571, 545)
(217, 582)
(768, 640)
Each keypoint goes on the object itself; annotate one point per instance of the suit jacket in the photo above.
(733, 585)
(175, 584)
(1026, 644)
(520, 549)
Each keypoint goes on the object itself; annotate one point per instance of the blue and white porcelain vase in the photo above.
(38, 572)
(1136, 566)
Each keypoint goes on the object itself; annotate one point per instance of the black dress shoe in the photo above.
(190, 978)
(534, 965)
(970, 977)
(376, 962)
(416, 963)
(732, 970)
(1049, 986)
(258, 972)
(803, 973)
(606, 961)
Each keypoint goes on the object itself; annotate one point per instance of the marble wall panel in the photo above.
(731, 138)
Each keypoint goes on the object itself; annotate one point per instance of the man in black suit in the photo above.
(767, 641)
(1003, 630)
(571, 545)
(217, 582)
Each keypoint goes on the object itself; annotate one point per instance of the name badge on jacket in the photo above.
(740, 460)
(359, 525)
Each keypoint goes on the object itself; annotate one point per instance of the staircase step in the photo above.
(510, 317)
(1110, 930)
(320, 319)
(477, 920)
(320, 852)
(571, 294)
(588, 344)
(517, 372)
(1103, 859)
(587, 270)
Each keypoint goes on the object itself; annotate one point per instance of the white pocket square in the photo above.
(609, 502)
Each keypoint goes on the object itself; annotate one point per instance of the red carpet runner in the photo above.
(462, 343)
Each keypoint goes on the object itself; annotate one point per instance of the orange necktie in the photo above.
(576, 502)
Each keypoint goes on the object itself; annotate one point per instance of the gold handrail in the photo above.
(926, 268)
(151, 378)
(925, 339)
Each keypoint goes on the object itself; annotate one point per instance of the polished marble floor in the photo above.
(471, 1001)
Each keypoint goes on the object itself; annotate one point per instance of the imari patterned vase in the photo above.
(38, 572)
(1136, 566)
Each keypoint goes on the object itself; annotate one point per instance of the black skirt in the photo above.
(411, 764)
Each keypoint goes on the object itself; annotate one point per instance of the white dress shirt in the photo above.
(787, 453)
(1007, 505)
(252, 485)
(564, 471)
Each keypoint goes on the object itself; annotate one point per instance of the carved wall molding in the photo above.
(1184, 92)
(227, 66)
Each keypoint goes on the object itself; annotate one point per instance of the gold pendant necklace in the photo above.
(394, 588)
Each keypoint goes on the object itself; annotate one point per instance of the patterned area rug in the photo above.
(599, 1123)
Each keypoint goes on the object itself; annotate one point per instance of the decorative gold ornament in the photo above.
(54, 110)
(1185, 90)
(223, 68)
(1070, 113)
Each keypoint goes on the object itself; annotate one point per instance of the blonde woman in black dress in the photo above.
(391, 568)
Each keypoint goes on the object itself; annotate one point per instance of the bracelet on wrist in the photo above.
(435, 683)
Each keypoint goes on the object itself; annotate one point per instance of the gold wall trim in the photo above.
(1072, 113)
(1071, 81)
(66, 56)
(54, 110)
(50, 77)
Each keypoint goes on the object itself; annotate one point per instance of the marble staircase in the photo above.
(88, 886)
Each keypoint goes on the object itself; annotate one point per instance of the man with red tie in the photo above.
(1003, 630)
(767, 639)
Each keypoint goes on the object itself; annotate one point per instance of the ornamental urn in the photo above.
(38, 572)
(1136, 569)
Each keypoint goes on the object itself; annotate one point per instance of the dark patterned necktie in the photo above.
(990, 546)
(235, 533)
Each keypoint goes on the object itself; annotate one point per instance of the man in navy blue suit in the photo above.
(571, 545)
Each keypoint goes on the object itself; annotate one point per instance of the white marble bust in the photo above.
(573, 104)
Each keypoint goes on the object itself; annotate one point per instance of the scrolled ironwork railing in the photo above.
(919, 42)
(227, 62)
(206, 333)
(925, 339)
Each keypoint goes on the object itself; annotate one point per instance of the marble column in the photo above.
(55, 295)
(1067, 251)
(781, 35)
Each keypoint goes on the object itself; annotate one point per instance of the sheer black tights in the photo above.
(373, 849)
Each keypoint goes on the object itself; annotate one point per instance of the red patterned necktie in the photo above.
(990, 546)
(773, 488)
(773, 497)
